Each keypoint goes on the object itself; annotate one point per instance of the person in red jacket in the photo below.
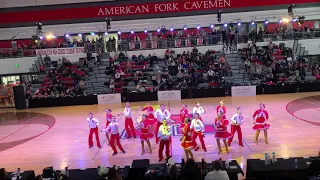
(260, 117)
(222, 108)
(145, 134)
(183, 113)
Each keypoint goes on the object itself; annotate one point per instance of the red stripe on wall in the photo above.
(136, 9)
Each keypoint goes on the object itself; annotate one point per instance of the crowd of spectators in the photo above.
(62, 80)
(274, 64)
(282, 33)
(178, 70)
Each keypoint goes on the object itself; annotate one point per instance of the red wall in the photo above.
(130, 10)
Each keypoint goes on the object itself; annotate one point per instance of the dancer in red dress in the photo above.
(113, 128)
(260, 117)
(161, 114)
(198, 128)
(222, 131)
(184, 113)
(222, 108)
(164, 135)
(186, 141)
(149, 110)
(145, 134)
(151, 121)
(128, 121)
(237, 121)
(198, 110)
(93, 124)
(108, 121)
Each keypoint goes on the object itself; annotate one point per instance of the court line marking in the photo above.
(21, 127)
(99, 149)
(311, 102)
(247, 145)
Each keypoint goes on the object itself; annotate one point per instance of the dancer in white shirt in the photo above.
(161, 114)
(128, 124)
(113, 128)
(164, 134)
(236, 122)
(198, 130)
(93, 124)
(198, 110)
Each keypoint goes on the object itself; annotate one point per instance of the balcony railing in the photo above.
(155, 43)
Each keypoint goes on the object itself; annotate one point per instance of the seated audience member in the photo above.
(174, 172)
(190, 171)
(113, 174)
(3, 174)
(217, 173)
(38, 178)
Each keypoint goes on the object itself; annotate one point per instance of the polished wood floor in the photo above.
(66, 142)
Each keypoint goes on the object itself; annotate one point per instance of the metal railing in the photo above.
(177, 42)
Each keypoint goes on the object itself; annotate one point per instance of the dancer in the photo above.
(237, 121)
(186, 141)
(222, 132)
(161, 114)
(198, 130)
(151, 120)
(164, 134)
(128, 121)
(198, 110)
(108, 121)
(260, 117)
(93, 124)
(113, 128)
(145, 134)
(184, 113)
(222, 108)
(149, 110)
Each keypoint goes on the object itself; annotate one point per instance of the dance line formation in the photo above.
(155, 124)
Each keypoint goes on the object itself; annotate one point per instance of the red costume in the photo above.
(188, 142)
(221, 127)
(149, 112)
(222, 109)
(145, 134)
(108, 119)
(183, 114)
(262, 117)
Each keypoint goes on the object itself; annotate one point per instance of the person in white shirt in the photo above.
(217, 173)
(236, 122)
(164, 134)
(113, 128)
(93, 124)
(161, 114)
(198, 110)
(198, 130)
(128, 124)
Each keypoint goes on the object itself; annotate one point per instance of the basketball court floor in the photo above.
(37, 138)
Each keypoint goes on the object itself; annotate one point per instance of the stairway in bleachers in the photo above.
(237, 66)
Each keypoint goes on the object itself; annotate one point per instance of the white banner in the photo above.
(169, 95)
(243, 91)
(109, 98)
(58, 51)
